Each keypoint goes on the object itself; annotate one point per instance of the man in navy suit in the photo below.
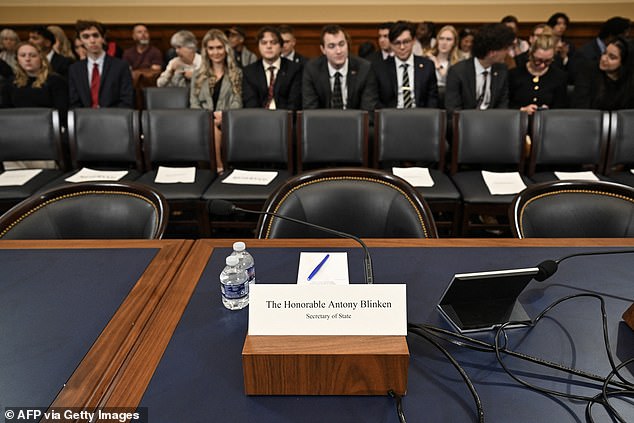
(288, 45)
(481, 82)
(337, 80)
(285, 92)
(99, 80)
(405, 80)
(45, 39)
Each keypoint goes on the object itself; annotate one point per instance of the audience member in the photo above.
(273, 82)
(34, 84)
(62, 43)
(519, 46)
(288, 47)
(217, 84)
(8, 43)
(243, 56)
(99, 80)
(425, 41)
(179, 70)
(385, 47)
(539, 30)
(445, 53)
(587, 57)
(45, 40)
(79, 49)
(466, 43)
(482, 81)
(337, 80)
(608, 85)
(565, 50)
(538, 85)
(143, 55)
(405, 80)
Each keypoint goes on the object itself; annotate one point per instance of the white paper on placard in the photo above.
(357, 309)
(250, 177)
(580, 176)
(175, 175)
(87, 175)
(334, 271)
(503, 183)
(415, 176)
(17, 177)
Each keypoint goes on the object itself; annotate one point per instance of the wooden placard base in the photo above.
(628, 316)
(325, 365)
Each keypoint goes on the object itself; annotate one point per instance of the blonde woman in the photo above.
(445, 53)
(217, 84)
(62, 43)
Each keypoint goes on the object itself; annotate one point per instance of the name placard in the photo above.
(379, 309)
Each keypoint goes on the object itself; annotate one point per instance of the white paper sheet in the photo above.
(503, 183)
(333, 272)
(250, 177)
(88, 175)
(17, 177)
(175, 175)
(415, 176)
(580, 176)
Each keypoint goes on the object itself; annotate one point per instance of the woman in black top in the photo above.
(537, 84)
(35, 84)
(609, 86)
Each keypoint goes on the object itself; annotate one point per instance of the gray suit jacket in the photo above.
(227, 99)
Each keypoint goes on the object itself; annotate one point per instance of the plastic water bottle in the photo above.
(234, 285)
(245, 260)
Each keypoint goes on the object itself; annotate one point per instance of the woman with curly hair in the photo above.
(217, 84)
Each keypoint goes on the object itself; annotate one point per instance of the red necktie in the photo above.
(95, 82)
(269, 97)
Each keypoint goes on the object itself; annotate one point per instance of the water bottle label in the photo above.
(251, 274)
(234, 292)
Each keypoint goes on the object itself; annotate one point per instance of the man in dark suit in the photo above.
(385, 48)
(337, 80)
(482, 81)
(45, 40)
(288, 45)
(405, 80)
(99, 80)
(272, 82)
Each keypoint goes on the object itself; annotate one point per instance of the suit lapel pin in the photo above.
(353, 72)
(420, 65)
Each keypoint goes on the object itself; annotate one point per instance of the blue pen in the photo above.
(316, 269)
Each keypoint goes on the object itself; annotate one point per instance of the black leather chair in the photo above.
(180, 138)
(363, 202)
(416, 137)
(29, 134)
(573, 209)
(329, 137)
(491, 140)
(100, 210)
(621, 147)
(253, 140)
(166, 97)
(567, 140)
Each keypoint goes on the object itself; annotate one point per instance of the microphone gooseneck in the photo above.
(547, 268)
(225, 208)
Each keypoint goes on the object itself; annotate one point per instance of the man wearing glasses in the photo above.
(405, 80)
(337, 80)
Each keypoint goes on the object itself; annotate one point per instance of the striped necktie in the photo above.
(408, 102)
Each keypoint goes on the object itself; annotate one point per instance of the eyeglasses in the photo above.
(546, 62)
(403, 43)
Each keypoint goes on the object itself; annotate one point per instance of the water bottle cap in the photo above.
(239, 246)
(231, 260)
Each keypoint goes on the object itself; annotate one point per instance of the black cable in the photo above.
(399, 405)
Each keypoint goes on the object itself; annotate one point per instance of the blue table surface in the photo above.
(199, 378)
(54, 303)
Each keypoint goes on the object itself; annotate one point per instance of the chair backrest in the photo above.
(106, 137)
(166, 97)
(177, 136)
(413, 135)
(30, 134)
(621, 149)
(569, 139)
(489, 138)
(100, 210)
(363, 202)
(257, 137)
(329, 136)
(573, 209)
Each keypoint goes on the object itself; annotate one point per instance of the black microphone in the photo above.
(547, 268)
(225, 208)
